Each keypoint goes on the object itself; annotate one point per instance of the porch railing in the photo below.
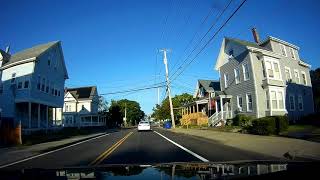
(215, 118)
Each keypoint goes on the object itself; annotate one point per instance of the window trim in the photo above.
(287, 68)
(294, 103)
(299, 82)
(276, 90)
(226, 80)
(247, 102)
(302, 109)
(240, 108)
(244, 72)
(293, 56)
(285, 51)
(272, 61)
(237, 75)
(305, 76)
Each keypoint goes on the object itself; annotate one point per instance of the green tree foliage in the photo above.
(117, 112)
(161, 112)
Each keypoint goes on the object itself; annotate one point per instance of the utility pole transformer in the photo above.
(165, 61)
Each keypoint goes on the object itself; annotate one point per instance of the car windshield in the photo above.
(96, 83)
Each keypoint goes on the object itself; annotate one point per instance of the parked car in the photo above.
(144, 126)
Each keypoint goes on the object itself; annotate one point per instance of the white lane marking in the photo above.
(46, 153)
(183, 148)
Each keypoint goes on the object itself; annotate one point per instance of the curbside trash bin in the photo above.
(167, 125)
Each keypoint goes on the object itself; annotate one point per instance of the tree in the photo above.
(134, 112)
(115, 116)
(161, 112)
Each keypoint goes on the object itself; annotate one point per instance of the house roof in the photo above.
(245, 43)
(30, 52)
(82, 92)
(210, 85)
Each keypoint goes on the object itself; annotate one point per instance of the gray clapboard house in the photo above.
(32, 83)
(262, 79)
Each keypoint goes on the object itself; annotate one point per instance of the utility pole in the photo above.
(165, 61)
(158, 96)
(125, 115)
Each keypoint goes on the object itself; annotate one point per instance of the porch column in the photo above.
(39, 108)
(29, 113)
(47, 118)
(221, 105)
(197, 107)
(216, 104)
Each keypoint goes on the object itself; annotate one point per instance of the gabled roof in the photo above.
(210, 85)
(31, 52)
(245, 43)
(83, 93)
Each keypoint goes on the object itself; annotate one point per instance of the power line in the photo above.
(194, 35)
(215, 34)
(133, 90)
(199, 42)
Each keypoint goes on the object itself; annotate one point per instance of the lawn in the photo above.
(307, 132)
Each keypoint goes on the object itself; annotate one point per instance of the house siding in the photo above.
(243, 87)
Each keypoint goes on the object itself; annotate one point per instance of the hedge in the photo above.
(269, 125)
(241, 120)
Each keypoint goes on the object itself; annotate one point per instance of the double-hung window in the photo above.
(292, 53)
(277, 99)
(304, 78)
(273, 69)
(300, 103)
(288, 73)
(296, 76)
(246, 75)
(291, 103)
(283, 50)
(249, 102)
(237, 75)
(226, 80)
(239, 102)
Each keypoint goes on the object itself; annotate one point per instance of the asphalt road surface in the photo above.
(132, 147)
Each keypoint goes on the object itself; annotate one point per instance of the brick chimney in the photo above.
(255, 35)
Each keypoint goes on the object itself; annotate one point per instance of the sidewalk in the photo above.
(268, 145)
(12, 154)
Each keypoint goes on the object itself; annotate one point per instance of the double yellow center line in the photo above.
(106, 153)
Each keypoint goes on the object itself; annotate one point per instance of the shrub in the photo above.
(282, 123)
(242, 120)
(263, 126)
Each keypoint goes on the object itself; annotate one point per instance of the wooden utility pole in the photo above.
(165, 61)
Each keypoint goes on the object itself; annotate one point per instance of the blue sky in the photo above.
(113, 44)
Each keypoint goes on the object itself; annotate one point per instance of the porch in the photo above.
(197, 112)
(34, 116)
(223, 110)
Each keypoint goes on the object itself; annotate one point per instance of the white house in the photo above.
(80, 108)
(32, 84)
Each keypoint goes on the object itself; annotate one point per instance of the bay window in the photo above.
(276, 99)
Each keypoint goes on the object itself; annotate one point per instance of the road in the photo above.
(131, 147)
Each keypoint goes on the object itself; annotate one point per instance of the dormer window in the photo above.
(283, 50)
(292, 53)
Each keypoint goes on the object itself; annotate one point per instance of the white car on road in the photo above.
(144, 126)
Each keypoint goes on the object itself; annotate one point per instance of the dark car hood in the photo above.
(221, 170)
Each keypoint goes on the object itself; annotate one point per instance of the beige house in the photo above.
(80, 108)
